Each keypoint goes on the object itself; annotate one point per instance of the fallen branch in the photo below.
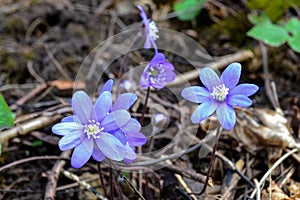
(25, 160)
(54, 175)
(83, 184)
(46, 119)
(222, 62)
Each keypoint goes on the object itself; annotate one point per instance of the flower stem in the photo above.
(101, 179)
(111, 184)
(132, 186)
(145, 106)
(211, 162)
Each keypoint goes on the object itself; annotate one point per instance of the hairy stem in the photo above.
(101, 179)
(145, 106)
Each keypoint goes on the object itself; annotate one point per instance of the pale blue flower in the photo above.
(220, 95)
(91, 130)
(130, 134)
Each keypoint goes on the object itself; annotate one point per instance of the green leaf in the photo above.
(6, 116)
(37, 143)
(293, 26)
(258, 19)
(269, 33)
(294, 43)
(274, 10)
(295, 3)
(188, 9)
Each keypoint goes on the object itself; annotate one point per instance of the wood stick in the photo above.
(224, 61)
(46, 119)
(54, 175)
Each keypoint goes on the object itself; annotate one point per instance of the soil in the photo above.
(47, 42)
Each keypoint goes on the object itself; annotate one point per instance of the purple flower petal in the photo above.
(66, 128)
(107, 86)
(158, 85)
(203, 111)
(132, 126)
(226, 116)
(244, 89)
(143, 14)
(115, 120)
(231, 75)
(196, 94)
(239, 100)
(69, 141)
(158, 58)
(168, 66)
(111, 147)
(147, 44)
(124, 101)
(130, 154)
(97, 154)
(103, 105)
(209, 78)
(82, 153)
(82, 106)
(136, 139)
(68, 119)
(170, 76)
(120, 135)
(143, 81)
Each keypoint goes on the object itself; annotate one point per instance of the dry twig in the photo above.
(54, 175)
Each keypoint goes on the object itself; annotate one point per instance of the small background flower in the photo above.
(220, 95)
(151, 30)
(157, 72)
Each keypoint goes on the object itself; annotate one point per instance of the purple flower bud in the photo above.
(151, 31)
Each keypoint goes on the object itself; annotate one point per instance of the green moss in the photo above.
(29, 55)
(11, 63)
(16, 25)
(34, 2)
(235, 28)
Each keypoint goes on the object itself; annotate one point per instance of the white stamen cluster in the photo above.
(157, 73)
(219, 92)
(153, 31)
(93, 129)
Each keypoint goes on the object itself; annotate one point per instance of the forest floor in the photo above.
(46, 53)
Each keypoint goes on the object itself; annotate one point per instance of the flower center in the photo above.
(153, 31)
(153, 72)
(157, 73)
(219, 92)
(93, 129)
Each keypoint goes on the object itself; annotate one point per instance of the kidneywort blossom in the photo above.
(220, 95)
(151, 31)
(158, 72)
(129, 135)
(91, 130)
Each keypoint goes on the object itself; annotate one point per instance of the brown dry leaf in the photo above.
(65, 85)
(294, 189)
(259, 128)
(274, 192)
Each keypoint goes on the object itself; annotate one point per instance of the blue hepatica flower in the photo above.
(220, 95)
(130, 134)
(91, 130)
(151, 30)
(157, 72)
